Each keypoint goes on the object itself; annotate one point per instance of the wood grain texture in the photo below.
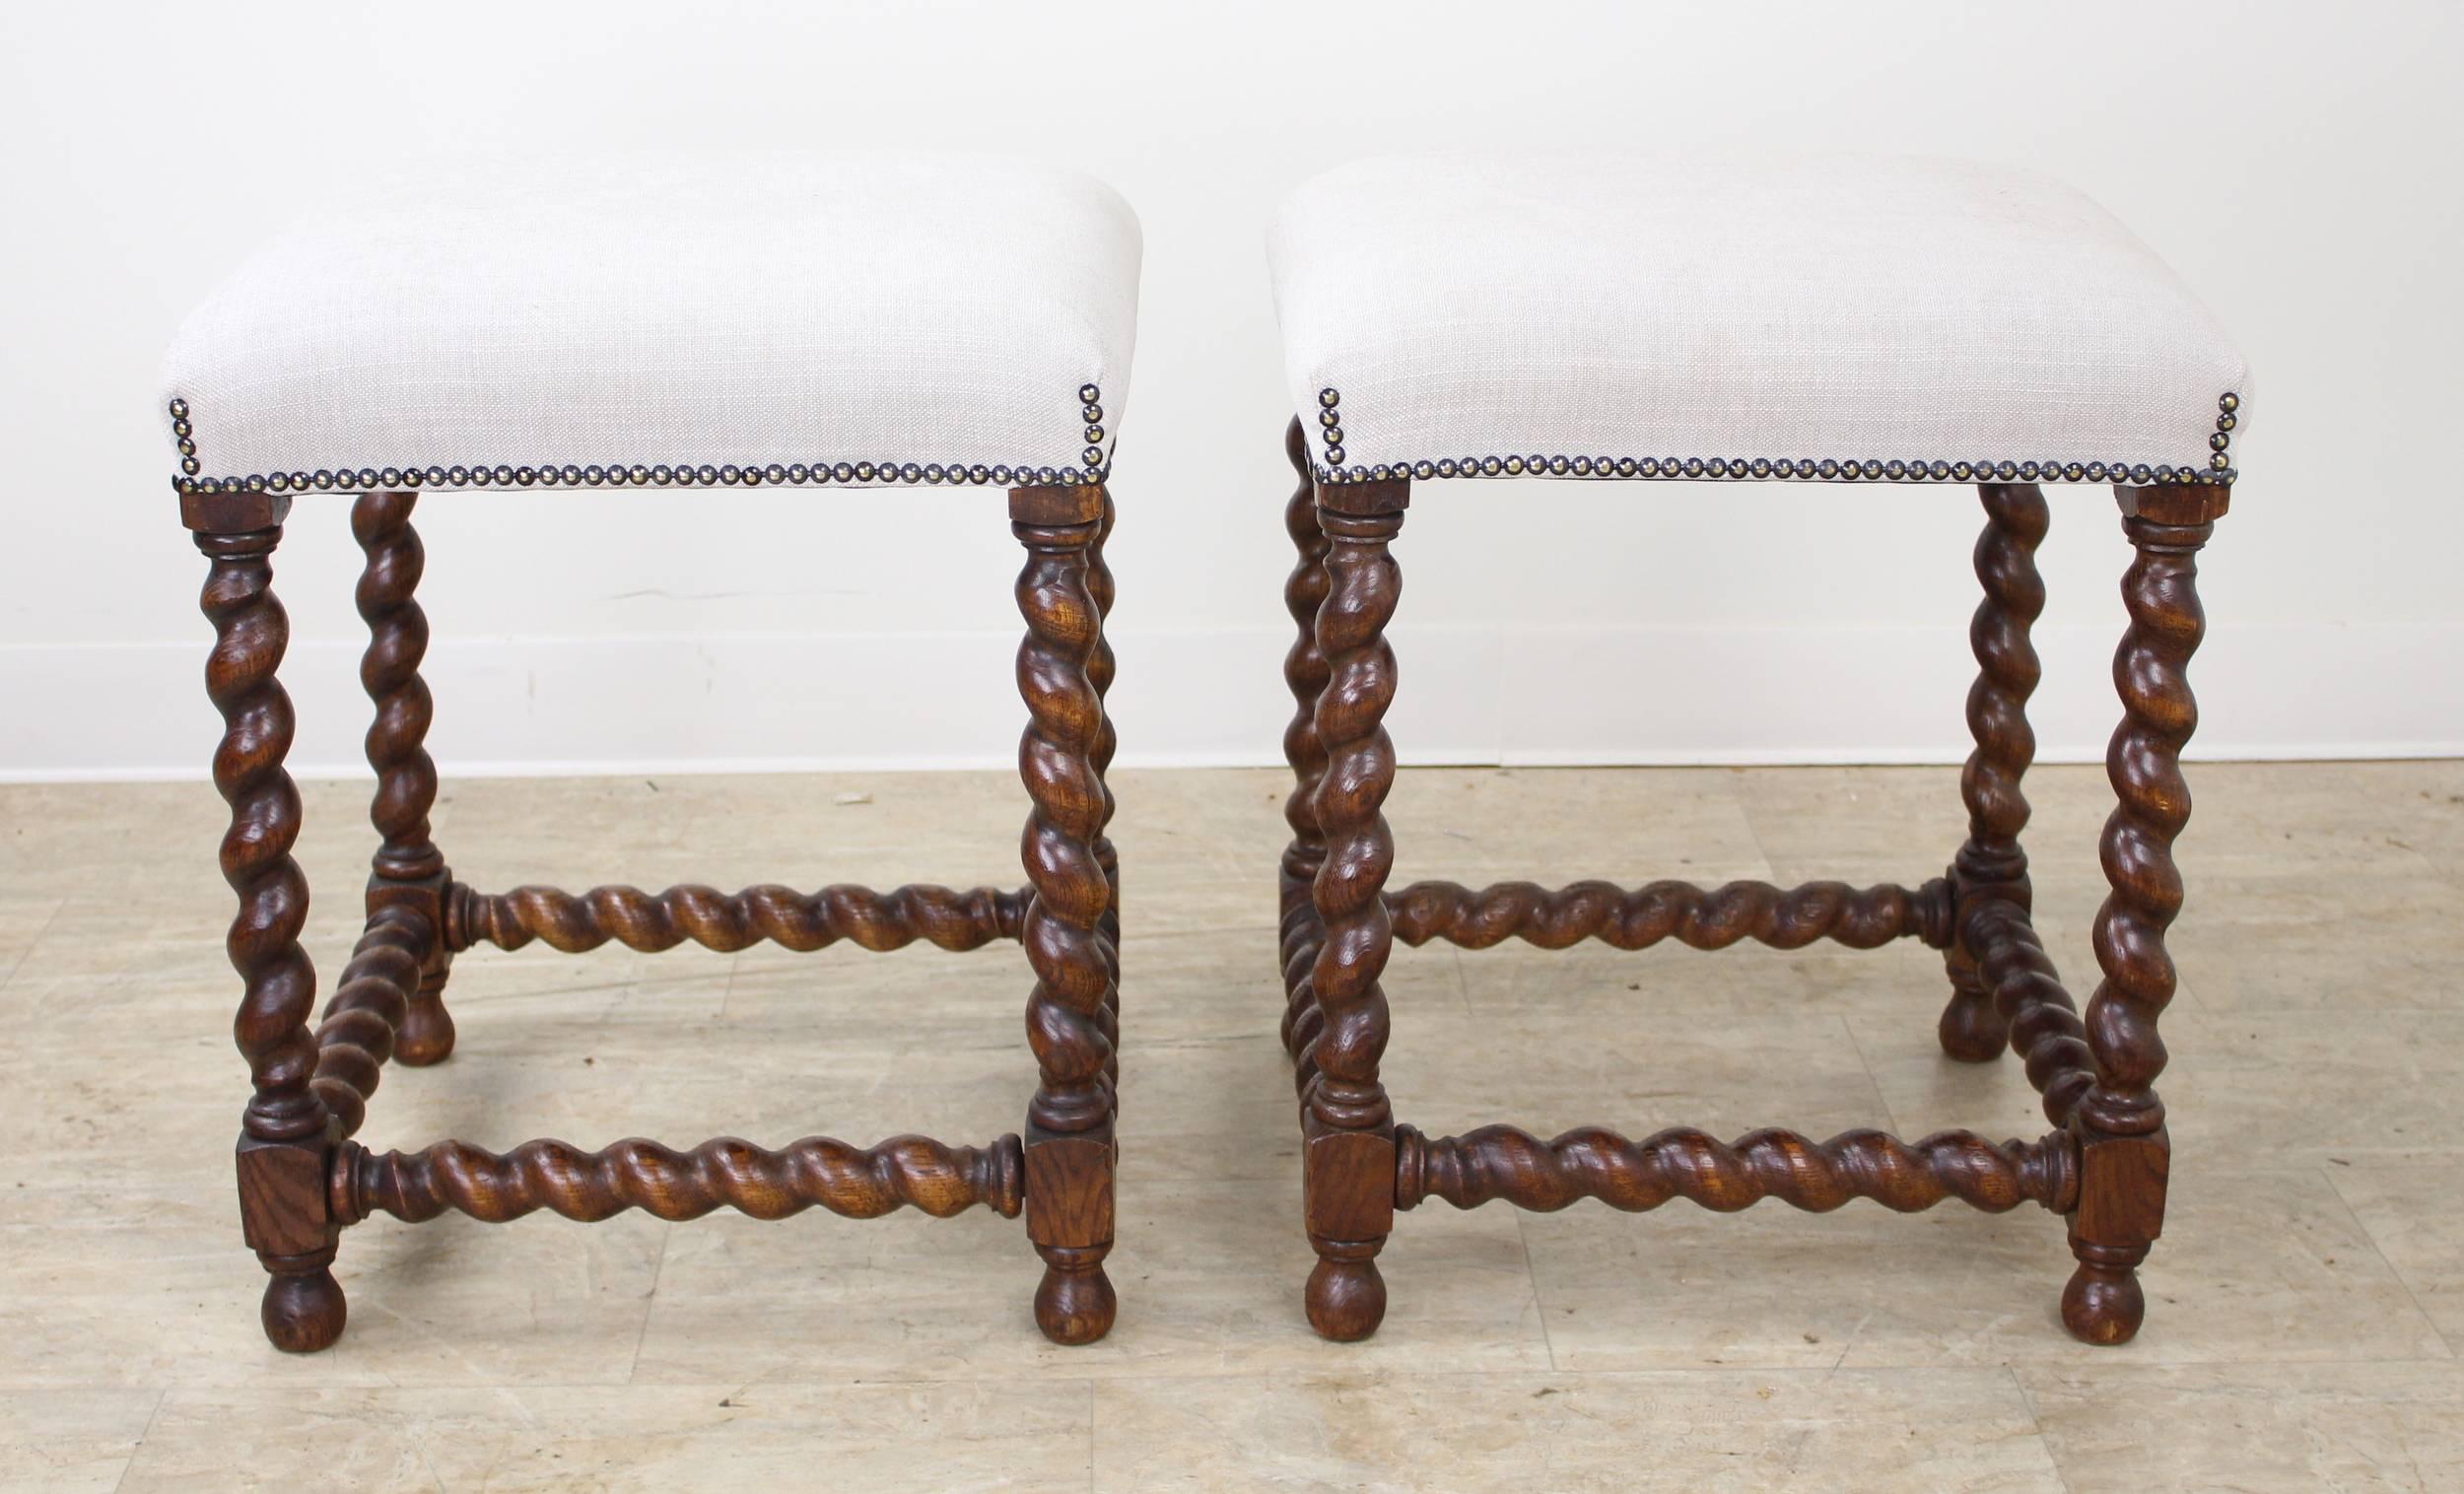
(1072, 1005)
(286, 1132)
(574, 923)
(1991, 862)
(1503, 1163)
(251, 632)
(2106, 1165)
(1347, 1117)
(1070, 1198)
(2035, 1009)
(1101, 667)
(397, 642)
(363, 1024)
(1700, 917)
(2121, 1121)
(1303, 933)
(407, 870)
(302, 1179)
(286, 1217)
(858, 1182)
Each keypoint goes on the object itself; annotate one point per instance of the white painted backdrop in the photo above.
(2297, 162)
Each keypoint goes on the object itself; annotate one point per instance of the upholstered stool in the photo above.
(866, 324)
(1842, 321)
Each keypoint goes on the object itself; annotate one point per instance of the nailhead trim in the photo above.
(1331, 427)
(2228, 416)
(2219, 471)
(1093, 467)
(1091, 411)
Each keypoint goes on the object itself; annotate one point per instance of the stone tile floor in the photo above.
(2306, 1306)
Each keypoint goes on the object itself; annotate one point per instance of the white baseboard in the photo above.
(1506, 694)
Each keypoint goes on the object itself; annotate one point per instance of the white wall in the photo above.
(2297, 162)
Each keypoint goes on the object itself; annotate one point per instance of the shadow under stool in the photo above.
(858, 323)
(1832, 319)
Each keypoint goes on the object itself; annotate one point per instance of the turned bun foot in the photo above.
(1074, 1303)
(1346, 1298)
(425, 1034)
(1972, 1031)
(305, 1313)
(2104, 1304)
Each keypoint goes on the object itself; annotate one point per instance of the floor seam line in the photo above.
(151, 1416)
(2362, 1225)
(2027, 1403)
(1531, 1270)
(27, 953)
(649, 1304)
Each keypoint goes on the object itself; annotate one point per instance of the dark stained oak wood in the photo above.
(2039, 1013)
(2124, 1152)
(286, 1133)
(1500, 1162)
(1347, 1137)
(242, 513)
(1069, 1010)
(302, 1179)
(1700, 917)
(1383, 498)
(1305, 674)
(363, 1025)
(1069, 507)
(251, 632)
(857, 1183)
(1070, 1220)
(1991, 864)
(574, 923)
(1100, 669)
(283, 1214)
(2104, 1167)
(407, 870)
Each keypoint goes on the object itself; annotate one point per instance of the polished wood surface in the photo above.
(286, 1133)
(2124, 1152)
(1071, 1011)
(2103, 1166)
(1990, 864)
(856, 1183)
(1347, 1129)
(1502, 1163)
(302, 1177)
(575, 922)
(1699, 918)
(407, 870)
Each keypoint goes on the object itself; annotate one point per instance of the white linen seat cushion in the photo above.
(1734, 315)
(853, 319)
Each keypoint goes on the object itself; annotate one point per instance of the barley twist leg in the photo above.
(856, 1183)
(1348, 1128)
(2124, 1152)
(408, 870)
(1305, 674)
(1991, 863)
(1099, 673)
(286, 1132)
(1069, 1155)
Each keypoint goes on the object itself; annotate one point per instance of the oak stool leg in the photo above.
(1100, 669)
(1305, 673)
(1348, 1126)
(2124, 1151)
(1069, 1142)
(408, 870)
(287, 1136)
(1991, 863)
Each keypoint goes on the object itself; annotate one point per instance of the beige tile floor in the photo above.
(2307, 1306)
